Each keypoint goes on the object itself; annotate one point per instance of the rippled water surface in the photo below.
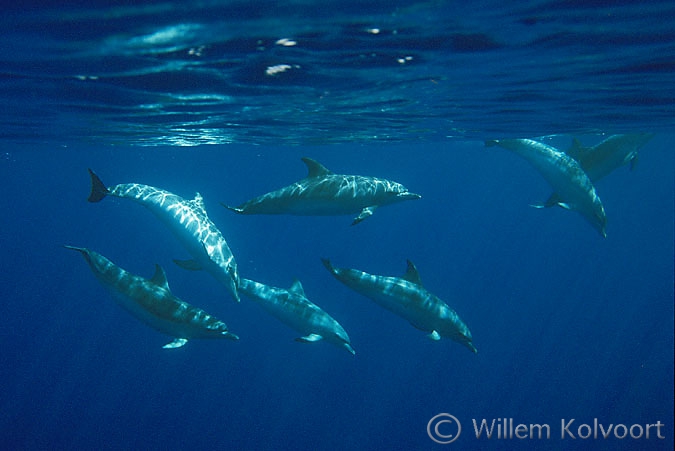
(303, 72)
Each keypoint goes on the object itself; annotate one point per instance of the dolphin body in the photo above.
(151, 301)
(323, 193)
(573, 187)
(189, 222)
(600, 160)
(603, 158)
(406, 297)
(294, 309)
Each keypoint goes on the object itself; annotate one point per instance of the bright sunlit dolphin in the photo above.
(294, 309)
(325, 193)
(188, 220)
(151, 301)
(569, 181)
(406, 297)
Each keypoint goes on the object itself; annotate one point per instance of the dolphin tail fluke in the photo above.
(81, 250)
(234, 209)
(328, 265)
(98, 189)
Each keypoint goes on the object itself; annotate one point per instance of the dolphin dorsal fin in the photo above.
(314, 168)
(198, 202)
(159, 278)
(296, 288)
(577, 150)
(411, 274)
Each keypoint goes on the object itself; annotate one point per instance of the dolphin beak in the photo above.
(408, 195)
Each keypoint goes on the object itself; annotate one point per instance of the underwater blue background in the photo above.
(567, 324)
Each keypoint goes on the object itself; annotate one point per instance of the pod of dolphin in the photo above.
(570, 173)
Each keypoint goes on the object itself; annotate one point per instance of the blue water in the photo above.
(567, 324)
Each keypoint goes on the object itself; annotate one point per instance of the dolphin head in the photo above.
(340, 337)
(464, 338)
(397, 192)
(460, 333)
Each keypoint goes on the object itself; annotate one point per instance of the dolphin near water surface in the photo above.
(573, 187)
(600, 160)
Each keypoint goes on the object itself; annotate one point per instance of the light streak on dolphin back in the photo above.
(189, 222)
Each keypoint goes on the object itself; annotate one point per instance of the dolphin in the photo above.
(151, 301)
(603, 158)
(573, 187)
(294, 309)
(323, 193)
(406, 297)
(600, 160)
(189, 222)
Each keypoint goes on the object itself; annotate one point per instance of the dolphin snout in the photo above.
(409, 196)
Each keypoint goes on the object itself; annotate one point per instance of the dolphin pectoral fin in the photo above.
(633, 162)
(234, 209)
(565, 205)
(365, 213)
(230, 335)
(435, 336)
(177, 343)
(552, 201)
(190, 265)
(311, 338)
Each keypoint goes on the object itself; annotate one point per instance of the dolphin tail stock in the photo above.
(98, 189)
(234, 209)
